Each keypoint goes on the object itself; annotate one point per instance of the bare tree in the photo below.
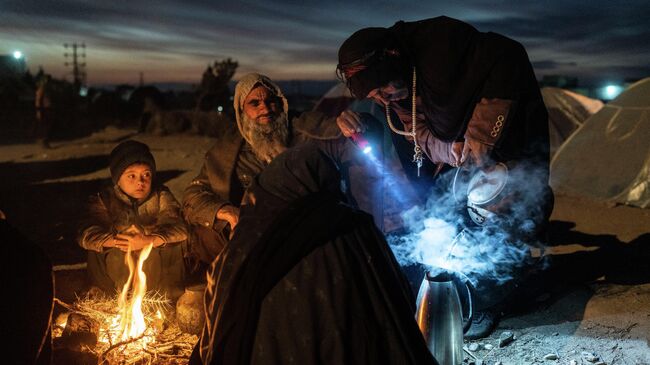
(213, 91)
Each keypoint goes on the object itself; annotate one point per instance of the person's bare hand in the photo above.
(349, 123)
(117, 243)
(477, 151)
(229, 214)
(136, 241)
(457, 154)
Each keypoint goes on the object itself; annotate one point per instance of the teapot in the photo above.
(440, 314)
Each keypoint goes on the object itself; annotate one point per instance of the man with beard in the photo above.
(211, 202)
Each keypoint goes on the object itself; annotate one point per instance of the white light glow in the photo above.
(18, 55)
(611, 91)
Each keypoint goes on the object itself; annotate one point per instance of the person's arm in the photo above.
(485, 128)
(202, 206)
(170, 227)
(96, 232)
(511, 76)
(435, 149)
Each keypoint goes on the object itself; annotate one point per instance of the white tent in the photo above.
(339, 98)
(608, 157)
(334, 101)
(566, 113)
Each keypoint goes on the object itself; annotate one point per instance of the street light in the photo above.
(18, 55)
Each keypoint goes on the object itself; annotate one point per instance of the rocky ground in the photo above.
(596, 309)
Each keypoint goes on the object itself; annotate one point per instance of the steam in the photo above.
(441, 236)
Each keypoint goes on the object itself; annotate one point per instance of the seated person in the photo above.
(211, 202)
(29, 278)
(135, 211)
(307, 279)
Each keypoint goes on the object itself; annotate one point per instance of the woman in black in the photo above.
(307, 279)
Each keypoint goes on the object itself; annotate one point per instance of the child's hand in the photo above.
(136, 241)
(117, 242)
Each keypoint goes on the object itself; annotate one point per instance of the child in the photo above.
(132, 213)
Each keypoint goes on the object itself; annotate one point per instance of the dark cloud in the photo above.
(173, 37)
(550, 64)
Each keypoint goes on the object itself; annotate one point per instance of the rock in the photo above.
(588, 356)
(573, 362)
(79, 331)
(61, 320)
(505, 338)
(498, 363)
(550, 357)
(487, 346)
(600, 363)
(473, 346)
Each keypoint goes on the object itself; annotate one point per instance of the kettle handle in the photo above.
(467, 321)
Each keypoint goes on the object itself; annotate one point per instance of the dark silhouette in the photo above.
(213, 91)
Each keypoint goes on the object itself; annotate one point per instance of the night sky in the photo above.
(173, 41)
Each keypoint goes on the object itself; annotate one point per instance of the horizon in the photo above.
(173, 42)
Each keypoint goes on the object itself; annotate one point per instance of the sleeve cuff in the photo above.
(488, 120)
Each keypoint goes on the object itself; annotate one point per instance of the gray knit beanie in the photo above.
(126, 154)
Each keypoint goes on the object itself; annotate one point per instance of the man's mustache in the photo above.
(268, 115)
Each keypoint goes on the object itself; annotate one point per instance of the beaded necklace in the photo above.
(417, 150)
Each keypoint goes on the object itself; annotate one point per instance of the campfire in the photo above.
(135, 327)
(129, 324)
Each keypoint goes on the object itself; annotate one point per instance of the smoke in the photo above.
(440, 235)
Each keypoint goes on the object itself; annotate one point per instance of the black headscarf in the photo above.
(376, 50)
(301, 171)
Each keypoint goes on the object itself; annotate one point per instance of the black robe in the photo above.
(307, 279)
(458, 66)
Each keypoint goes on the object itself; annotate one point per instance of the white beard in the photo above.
(267, 140)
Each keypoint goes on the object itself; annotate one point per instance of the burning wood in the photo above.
(133, 331)
(167, 343)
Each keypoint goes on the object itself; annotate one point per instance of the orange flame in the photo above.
(132, 320)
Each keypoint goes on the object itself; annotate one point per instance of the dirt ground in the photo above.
(594, 307)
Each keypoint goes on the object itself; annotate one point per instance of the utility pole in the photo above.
(78, 65)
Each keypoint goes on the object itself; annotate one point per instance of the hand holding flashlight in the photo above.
(353, 125)
(350, 122)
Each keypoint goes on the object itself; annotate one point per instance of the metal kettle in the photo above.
(440, 315)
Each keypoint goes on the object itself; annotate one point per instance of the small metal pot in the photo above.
(483, 190)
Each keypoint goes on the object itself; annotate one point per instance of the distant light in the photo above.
(367, 150)
(611, 91)
(18, 55)
(83, 91)
(219, 108)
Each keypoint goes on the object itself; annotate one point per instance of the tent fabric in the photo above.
(338, 98)
(334, 101)
(566, 113)
(608, 157)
